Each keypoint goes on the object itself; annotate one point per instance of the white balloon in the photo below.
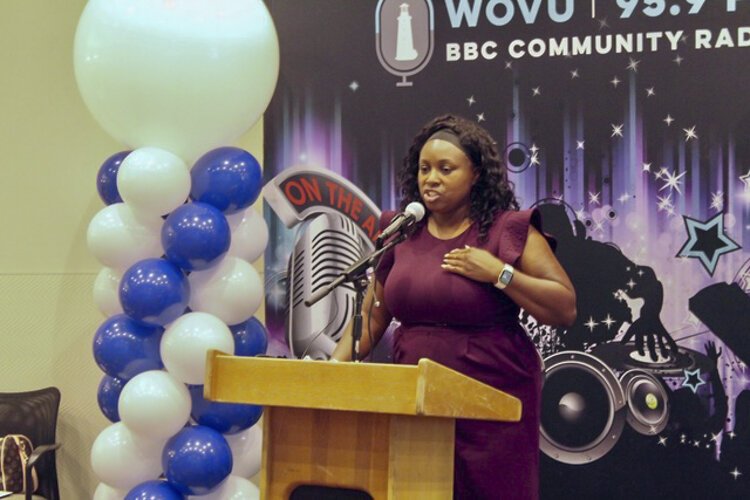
(122, 459)
(153, 181)
(106, 291)
(106, 492)
(186, 76)
(231, 290)
(249, 235)
(119, 237)
(154, 404)
(247, 450)
(233, 488)
(187, 340)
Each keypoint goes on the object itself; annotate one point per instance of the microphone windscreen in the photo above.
(416, 210)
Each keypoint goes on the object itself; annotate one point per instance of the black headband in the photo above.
(447, 135)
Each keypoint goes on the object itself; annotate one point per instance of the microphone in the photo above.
(414, 212)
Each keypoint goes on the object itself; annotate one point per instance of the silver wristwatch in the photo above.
(505, 277)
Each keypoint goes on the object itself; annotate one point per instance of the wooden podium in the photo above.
(384, 429)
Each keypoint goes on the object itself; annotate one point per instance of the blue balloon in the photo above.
(228, 178)
(123, 347)
(106, 179)
(250, 338)
(195, 236)
(108, 396)
(196, 460)
(154, 490)
(227, 418)
(154, 291)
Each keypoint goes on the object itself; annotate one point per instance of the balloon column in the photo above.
(175, 80)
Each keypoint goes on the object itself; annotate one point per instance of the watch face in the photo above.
(505, 277)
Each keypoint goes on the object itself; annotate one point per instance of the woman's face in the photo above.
(445, 177)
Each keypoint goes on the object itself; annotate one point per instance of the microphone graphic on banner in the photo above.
(327, 244)
(405, 36)
(413, 213)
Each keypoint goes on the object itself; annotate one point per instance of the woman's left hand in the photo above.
(474, 263)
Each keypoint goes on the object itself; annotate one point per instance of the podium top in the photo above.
(427, 389)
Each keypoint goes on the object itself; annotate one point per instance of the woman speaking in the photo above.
(456, 285)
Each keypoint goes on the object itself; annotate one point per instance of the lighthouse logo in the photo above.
(405, 36)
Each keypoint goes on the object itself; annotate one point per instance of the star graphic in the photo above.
(603, 23)
(647, 167)
(534, 160)
(746, 180)
(590, 324)
(480, 117)
(608, 321)
(574, 74)
(599, 225)
(354, 86)
(580, 214)
(717, 201)
(715, 437)
(650, 92)
(663, 440)
(732, 435)
(534, 148)
(624, 197)
(536, 91)
(580, 144)
(668, 120)
(631, 284)
(471, 100)
(693, 379)
(736, 473)
(690, 133)
(707, 241)
(678, 60)
(615, 82)
(617, 130)
(633, 65)
(672, 181)
(594, 197)
(508, 64)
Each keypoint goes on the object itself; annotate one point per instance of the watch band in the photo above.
(505, 277)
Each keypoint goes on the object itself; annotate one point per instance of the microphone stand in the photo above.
(356, 274)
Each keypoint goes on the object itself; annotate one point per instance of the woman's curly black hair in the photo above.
(491, 192)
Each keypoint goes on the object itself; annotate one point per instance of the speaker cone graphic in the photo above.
(583, 408)
(647, 400)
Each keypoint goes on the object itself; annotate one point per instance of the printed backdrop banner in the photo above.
(627, 123)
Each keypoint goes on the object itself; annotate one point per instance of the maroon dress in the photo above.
(473, 328)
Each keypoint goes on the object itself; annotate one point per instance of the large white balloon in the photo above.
(106, 492)
(187, 340)
(153, 181)
(122, 459)
(106, 291)
(247, 450)
(249, 235)
(231, 290)
(185, 75)
(119, 237)
(154, 404)
(234, 488)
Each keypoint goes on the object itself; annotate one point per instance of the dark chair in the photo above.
(34, 414)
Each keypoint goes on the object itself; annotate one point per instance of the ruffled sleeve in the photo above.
(386, 261)
(514, 232)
